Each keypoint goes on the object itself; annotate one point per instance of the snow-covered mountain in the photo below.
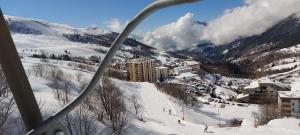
(31, 35)
(275, 50)
(39, 27)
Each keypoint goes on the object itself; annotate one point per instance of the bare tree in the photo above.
(110, 105)
(78, 76)
(135, 102)
(67, 88)
(56, 76)
(55, 73)
(109, 97)
(6, 104)
(44, 57)
(178, 92)
(84, 123)
(38, 70)
(121, 123)
(80, 121)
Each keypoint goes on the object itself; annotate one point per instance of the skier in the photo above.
(169, 111)
(164, 109)
(205, 129)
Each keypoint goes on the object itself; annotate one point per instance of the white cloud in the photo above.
(115, 25)
(177, 35)
(254, 18)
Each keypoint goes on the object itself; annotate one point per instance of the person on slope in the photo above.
(205, 129)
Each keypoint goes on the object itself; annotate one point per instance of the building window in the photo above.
(293, 104)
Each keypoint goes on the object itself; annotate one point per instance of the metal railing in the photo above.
(20, 86)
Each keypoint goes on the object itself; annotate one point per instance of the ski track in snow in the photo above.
(154, 102)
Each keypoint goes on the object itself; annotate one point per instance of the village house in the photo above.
(289, 103)
(262, 91)
(182, 69)
(193, 64)
(188, 76)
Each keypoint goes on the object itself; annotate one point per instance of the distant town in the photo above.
(185, 72)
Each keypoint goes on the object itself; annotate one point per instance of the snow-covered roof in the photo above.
(252, 85)
(191, 62)
(256, 83)
(289, 94)
(186, 75)
(274, 82)
(140, 60)
(162, 67)
(295, 86)
(240, 96)
(202, 99)
(182, 68)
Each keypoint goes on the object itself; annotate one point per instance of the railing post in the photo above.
(17, 79)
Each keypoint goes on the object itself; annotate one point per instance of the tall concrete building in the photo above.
(162, 73)
(142, 70)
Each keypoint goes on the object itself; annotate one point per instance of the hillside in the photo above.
(274, 51)
(32, 36)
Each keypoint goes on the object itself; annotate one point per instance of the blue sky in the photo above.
(82, 13)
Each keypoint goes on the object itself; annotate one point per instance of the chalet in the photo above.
(289, 103)
(187, 76)
(182, 69)
(262, 91)
(193, 64)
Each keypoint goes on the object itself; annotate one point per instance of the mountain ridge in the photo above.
(254, 55)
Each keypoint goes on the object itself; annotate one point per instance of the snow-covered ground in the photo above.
(156, 106)
(158, 121)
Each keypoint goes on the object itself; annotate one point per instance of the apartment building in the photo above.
(289, 103)
(162, 73)
(142, 70)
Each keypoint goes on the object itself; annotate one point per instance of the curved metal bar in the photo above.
(159, 4)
